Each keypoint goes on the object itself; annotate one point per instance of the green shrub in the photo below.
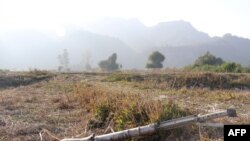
(231, 67)
(102, 112)
(171, 111)
(135, 115)
(102, 115)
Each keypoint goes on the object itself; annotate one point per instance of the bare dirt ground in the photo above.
(51, 104)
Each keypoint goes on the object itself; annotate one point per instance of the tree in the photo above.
(64, 61)
(86, 60)
(155, 60)
(110, 64)
(208, 59)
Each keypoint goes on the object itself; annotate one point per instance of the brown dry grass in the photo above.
(78, 104)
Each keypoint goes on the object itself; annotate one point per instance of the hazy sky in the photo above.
(215, 17)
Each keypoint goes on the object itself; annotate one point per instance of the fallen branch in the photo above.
(153, 128)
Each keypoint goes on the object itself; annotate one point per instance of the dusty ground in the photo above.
(50, 104)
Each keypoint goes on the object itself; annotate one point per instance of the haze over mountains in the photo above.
(179, 41)
(140, 37)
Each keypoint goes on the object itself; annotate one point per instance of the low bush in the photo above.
(230, 67)
(227, 67)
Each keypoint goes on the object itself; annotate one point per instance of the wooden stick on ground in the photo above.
(153, 128)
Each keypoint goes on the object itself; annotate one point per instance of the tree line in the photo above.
(206, 62)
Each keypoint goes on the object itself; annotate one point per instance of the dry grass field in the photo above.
(76, 105)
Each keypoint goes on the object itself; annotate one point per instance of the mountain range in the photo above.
(179, 41)
(140, 37)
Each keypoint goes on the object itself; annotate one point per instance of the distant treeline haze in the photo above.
(179, 42)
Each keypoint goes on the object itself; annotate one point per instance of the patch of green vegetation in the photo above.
(211, 63)
(134, 115)
(102, 112)
(228, 67)
(172, 111)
